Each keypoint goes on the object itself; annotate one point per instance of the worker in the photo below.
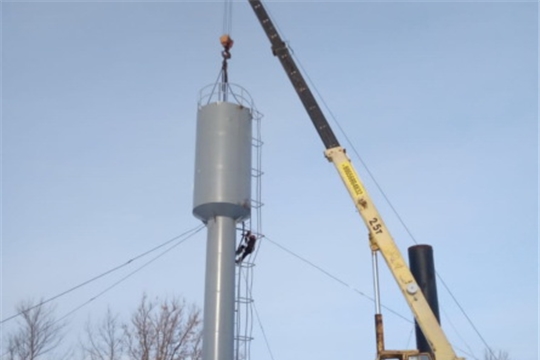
(246, 246)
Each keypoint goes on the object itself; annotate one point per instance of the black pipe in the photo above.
(423, 269)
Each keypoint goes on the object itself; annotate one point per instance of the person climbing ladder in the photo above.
(246, 247)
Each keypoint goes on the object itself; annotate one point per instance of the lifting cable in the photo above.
(227, 43)
(227, 16)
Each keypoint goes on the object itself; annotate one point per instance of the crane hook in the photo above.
(227, 44)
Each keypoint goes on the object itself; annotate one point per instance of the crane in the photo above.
(379, 237)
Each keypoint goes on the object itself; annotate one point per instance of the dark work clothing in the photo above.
(247, 248)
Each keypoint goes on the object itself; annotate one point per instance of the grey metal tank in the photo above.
(222, 198)
(223, 162)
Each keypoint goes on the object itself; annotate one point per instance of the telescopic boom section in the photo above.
(279, 49)
(380, 238)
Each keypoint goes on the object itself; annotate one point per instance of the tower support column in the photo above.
(218, 330)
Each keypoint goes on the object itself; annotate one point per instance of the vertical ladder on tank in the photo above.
(244, 272)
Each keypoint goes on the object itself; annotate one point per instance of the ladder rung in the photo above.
(243, 338)
(244, 300)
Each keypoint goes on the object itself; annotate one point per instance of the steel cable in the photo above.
(116, 268)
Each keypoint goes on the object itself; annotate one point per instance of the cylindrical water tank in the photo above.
(223, 162)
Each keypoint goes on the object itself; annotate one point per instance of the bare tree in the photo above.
(489, 354)
(167, 330)
(38, 333)
(104, 342)
(158, 330)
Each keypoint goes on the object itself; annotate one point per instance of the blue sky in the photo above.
(440, 100)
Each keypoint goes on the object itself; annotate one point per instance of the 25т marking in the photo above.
(375, 225)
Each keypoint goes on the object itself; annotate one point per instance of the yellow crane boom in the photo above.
(380, 238)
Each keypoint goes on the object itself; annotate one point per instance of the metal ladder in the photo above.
(244, 271)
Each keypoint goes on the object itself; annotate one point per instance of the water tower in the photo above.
(222, 199)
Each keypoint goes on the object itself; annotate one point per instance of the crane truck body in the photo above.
(379, 237)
